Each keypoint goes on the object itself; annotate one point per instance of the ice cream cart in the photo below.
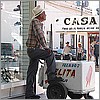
(79, 80)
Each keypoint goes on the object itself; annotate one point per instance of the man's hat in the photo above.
(37, 11)
(80, 43)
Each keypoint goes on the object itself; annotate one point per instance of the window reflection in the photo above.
(11, 41)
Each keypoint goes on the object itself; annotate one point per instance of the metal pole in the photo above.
(76, 46)
(76, 41)
(82, 9)
(76, 30)
(35, 4)
(51, 43)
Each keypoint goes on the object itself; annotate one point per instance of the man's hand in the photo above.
(48, 49)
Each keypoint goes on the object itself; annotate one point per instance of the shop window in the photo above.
(11, 43)
(49, 38)
(73, 41)
(92, 40)
(82, 39)
(61, 41)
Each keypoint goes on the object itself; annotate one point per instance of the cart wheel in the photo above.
(56, 90)
(87, 96)
(74, 96)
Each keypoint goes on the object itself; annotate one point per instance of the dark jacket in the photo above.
(96, 49)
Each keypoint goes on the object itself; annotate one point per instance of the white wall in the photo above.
(52, 14)
(67, 38)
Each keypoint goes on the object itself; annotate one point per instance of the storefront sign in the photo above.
(79, 23)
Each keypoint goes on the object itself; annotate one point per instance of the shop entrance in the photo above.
(92, 38)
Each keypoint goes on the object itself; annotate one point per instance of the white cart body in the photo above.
(80, 75)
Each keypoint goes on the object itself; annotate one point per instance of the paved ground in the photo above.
(42, 92)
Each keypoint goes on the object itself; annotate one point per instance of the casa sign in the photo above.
(79, 23)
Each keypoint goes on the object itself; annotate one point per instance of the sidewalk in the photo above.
(42, 92)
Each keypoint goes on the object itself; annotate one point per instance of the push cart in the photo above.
(79, 80)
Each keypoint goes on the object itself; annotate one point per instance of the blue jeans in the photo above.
(35, 54)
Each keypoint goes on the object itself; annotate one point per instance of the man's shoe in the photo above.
(33, 97)
(55, 79)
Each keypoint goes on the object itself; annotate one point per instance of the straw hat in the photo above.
(37, 11)
(80, 43)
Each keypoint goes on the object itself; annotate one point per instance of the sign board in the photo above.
(77, 23)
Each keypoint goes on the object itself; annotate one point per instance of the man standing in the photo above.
(66, 51)
(96, 52)
(37, 49)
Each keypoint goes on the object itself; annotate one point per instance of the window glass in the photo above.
(11, 41)
(61, 41)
